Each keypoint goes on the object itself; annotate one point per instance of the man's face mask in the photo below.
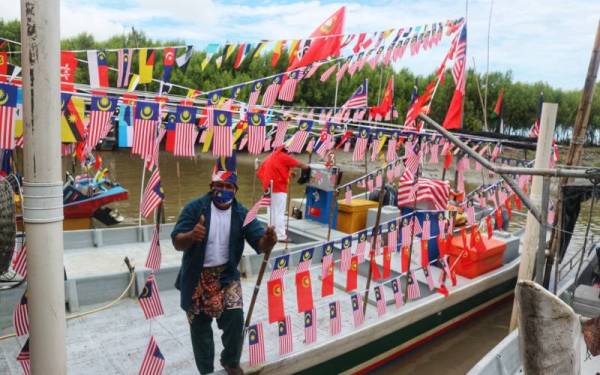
(222, 193)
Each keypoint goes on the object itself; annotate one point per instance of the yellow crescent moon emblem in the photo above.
(328, 249)
(353, 266)
(186, 116)
(104, 104)
(392, 227)
(255, 119)
(281, 327)
(258, 86)
(214, 97)
(3, 97)
(440, 217)
(252, 335)
(277, 290)
(146, 113)
(307, 320)
(305, 282)
(306, 256)
(221, 119)
(101, 55)
(281, 263)
(363, 133)
(346, 243)
(303, 125)
(332, 310)
(1, 60)
(405, 222)
(363, 237)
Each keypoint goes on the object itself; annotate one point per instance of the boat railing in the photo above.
(567, 266)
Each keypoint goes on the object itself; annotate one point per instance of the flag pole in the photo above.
(261, 272)
(373, 244)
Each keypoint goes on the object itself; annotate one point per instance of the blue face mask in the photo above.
(222, 196)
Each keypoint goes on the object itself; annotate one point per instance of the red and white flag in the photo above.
(97, 68)
(124, 59)
(398, 298)
(288, 89)
(7, 116)
(326, 74)
(299, 139)
(19, 262)
(154, 255)
(222, 139)
(357, 310)
(413, 286)
(426, 235)
(284, 331)
(271, 92)
(264, 201)
(153, 194)
(101, 112)
(24, 359)
(256, 132)
(149, 299)
(310, 326)
(335, 318)
(280, 133)
(145, 123)
(20, 317)
(380, 299)
(256, 344)
(154, 361)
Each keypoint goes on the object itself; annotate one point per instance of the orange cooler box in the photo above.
(474, 263)
(353, 217)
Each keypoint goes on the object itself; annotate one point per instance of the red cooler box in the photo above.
(473, 262)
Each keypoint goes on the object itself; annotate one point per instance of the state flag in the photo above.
(146, 64)
(68, 66)
(387, 262)
(275, 300)
(183, 60)
(72, 119)
(97, 68)
(327, 275)
(168, 63)
(304, 291)
(352, 275)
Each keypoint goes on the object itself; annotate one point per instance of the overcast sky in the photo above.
(539, 40)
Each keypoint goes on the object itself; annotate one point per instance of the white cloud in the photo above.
(547, 40)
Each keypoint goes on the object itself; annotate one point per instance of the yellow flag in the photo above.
(133, 82)
(205, 62)
(146, 64)
(71, 128)
(207, 139)
(19, 121)
(230, 49)
(294, 48)
(381, 143)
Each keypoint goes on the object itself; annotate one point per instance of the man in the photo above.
(276, 168)
(209, 231)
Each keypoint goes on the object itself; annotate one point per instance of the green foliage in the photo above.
(521, 100)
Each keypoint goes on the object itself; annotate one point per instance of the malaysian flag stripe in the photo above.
(280, 133)
(310, 326)
(222, 142)
(154, 255)
(24, 358)
(357, 309)
(265, 201)
(285, 336)
(20, 261)
(335, 320)
(185, 137)
(149, 299)
(21, 317)
(154, 361)
(256, 139)
(153, 194)
(124, 66)
(358, 98)
(256, 344)
(380, 299)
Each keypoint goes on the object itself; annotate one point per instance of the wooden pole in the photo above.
(576, 147)
(542, 160)
(372, 249)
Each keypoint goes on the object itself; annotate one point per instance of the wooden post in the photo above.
(576, 147)
(542, 160)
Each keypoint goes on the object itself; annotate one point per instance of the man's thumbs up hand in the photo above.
(199, 231)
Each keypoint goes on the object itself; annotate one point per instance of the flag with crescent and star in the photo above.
(102, 109)
(185, 131)
(168, 63)
(222, 143)
(256, 344)
(256, 132)
(8, 104)
(275, 300)
(145, 123)
(149, 299)
(153, 194)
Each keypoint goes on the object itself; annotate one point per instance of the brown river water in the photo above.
(454, 352)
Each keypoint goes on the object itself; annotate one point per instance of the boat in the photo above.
(85, 198)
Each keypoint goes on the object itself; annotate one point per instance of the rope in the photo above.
(93, 311)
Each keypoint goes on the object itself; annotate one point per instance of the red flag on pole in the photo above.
(404, 257)
(275, 300)
(387, 262)
(490, 228)
(304, 291)
(327, 276)
(352, 276)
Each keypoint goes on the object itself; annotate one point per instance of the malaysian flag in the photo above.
(413, 286)
(254, 94)
(20, 317)
(154, 255)
(144, 128)
(101, 111)
(305, 260)
(8, 103)
(222, 145)
(282, 126)
(154, 362)
(398, 298)
(380, 298)
(284, 331)
(327, 73)
(299, 139)
(256, 344)
(151, 160)
(153, 194)
(426, 190)
(280, 267)
(185, 131)
(288, 89)
(256, 132)
(335, 319)
(23, 358)
(406, 233)
(360, 147)
(359, 98)
(428, 276)
(392, 239)
(360, 248)
(124, 66)
(470, 211)
(271, 92)
(149, 299)
(458, 68)
(426, 235)
(264, 201)
(310, 326)
(357, 310)
(346, 253)
(19, 262)
(412, 156)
